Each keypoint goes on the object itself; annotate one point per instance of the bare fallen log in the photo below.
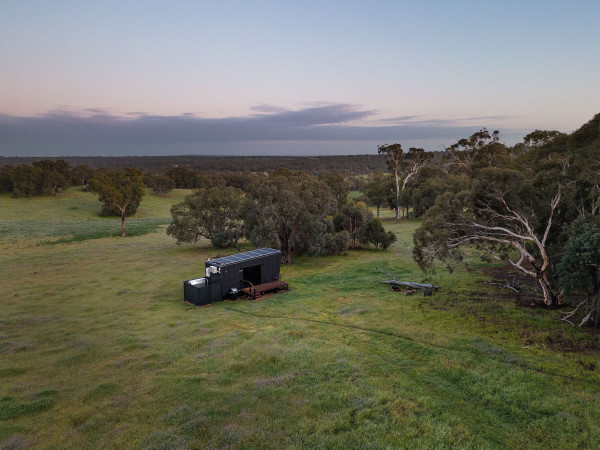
(426, 286)
(410, 286)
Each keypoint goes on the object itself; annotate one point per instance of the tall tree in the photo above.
(395, 156)
(584, 150)
(404, 167)
(504, 210)
(121, 190)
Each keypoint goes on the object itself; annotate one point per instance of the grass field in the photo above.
(98, 350)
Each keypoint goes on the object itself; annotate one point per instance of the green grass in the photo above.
(74, 217)
(97, 349)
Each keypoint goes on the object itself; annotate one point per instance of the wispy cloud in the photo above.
(97, 131)
(425, 121)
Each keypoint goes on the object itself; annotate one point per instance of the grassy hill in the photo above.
(97, 348)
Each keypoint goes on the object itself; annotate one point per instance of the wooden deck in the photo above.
(260, 289)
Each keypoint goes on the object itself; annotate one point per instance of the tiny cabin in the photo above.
(225, 277)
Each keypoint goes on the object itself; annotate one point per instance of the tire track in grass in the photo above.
(411, 340)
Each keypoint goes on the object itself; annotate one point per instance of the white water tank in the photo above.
(198, 282)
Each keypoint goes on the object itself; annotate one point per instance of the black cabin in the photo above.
(226, 276)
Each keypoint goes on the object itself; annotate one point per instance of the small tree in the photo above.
(353, 218)
(119, 190)
(378, 189)
(161, 184)
(376, 235)
(26, 180)
(81, 174)
(210, 213)
(6, 184)
(56, 175)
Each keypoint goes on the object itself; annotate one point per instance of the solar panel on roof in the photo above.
(245, 256)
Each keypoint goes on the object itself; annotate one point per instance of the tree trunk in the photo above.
(238, 234)
(377, 211)
(287, 255)
(123, 211)
(397, 196)
(122, 224)
(596, 300)
(549, 296)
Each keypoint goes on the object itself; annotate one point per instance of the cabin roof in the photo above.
(242, 257)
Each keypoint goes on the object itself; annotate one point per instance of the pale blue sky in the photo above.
(269, 77)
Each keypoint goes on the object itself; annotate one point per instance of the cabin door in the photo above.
(253, 274)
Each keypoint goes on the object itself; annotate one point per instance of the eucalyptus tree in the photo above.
(161, 184)
(517, 203)
(213, 213)
(80, 174)
(338, 187)
(506, 213)
(287, 210)
(579, 269)
(6, 184)
(56, 175)
(403, 166)
(43, 177)
(25, 180)
(378, 188)
(502, 212)
(430, 183)
(539, 138)
(353, 218)
(374, 233)
(481, 149)
(584, 149)
(119, 191)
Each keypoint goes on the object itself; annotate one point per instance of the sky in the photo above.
(290, 77)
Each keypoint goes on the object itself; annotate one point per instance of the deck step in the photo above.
(260, 289)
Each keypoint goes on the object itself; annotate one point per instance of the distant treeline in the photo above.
(347, 165)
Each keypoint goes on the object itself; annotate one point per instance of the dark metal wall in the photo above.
(231, 275)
